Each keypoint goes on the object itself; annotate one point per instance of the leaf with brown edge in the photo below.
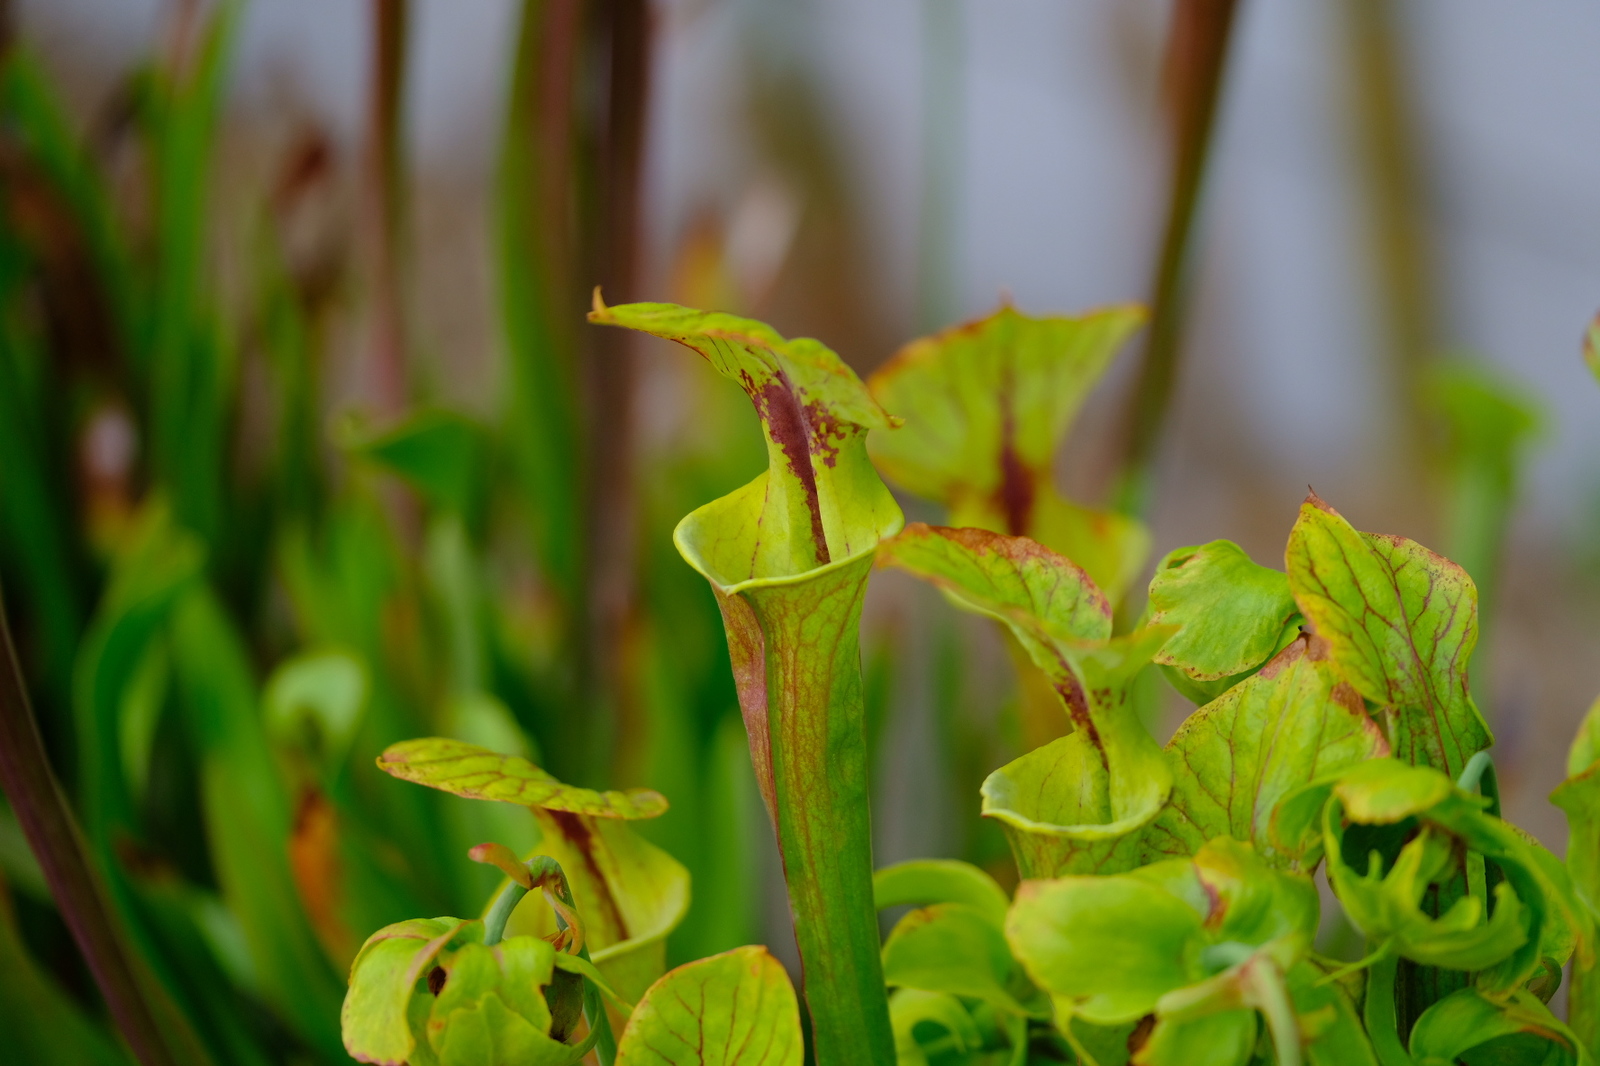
(467, 770)
(1401, 622)
(382, 978)
(1235, 759)
(987, 405)
(1073, 804)
(737, 1007)
(820, 500)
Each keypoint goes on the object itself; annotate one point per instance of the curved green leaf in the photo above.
(1232, 614)
(382, 979)
(920, 882)
(1220, 1038)
(912, 1010)
(737, 1007)
(987, 405)
(954, 948)
(1075, 805)
(315, 701)
(1329, 1018)
(820, 500)
(1235, 760)
(1071, 805)
(1401, 622)
(464, 769)
(1105, 948)
(1178, 937)
(1471, 1027)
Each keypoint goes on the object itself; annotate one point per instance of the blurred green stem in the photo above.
(1197, 52)
(52, 833)
(1402, 271)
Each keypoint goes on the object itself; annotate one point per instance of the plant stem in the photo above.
(611, 509)
(52, 833)
(1197, 50)
(1382, 1022)
(1402, 270)
(796, 657)
(391, 19)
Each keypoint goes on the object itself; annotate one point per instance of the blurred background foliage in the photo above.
(306, 449)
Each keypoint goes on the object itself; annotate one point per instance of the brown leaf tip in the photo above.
(1313, 500)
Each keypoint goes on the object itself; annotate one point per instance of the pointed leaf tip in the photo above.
(492, 854)
(477, 773)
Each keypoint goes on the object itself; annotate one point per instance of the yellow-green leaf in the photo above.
(820, 500)
(382, 978)
(464, 769)
(1469, 1026)
(1235, 760)
(920, 882)
(1232, 614)
(737, 1007)
(1401, 622)
(954, 948)
(987, 405)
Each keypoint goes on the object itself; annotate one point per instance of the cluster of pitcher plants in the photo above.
(225, 605)
(1167, 912)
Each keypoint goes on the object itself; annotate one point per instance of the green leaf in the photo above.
(788, 557)
(920, 882)
(1106, 948)
(1235, 760)
(1179, 937)
(491, 1010)
(1071, 805)
(467, 770)
(1221, 1038)
(1473, 1028)
(1579, 798)
(1329, 1019)
(382, 978)
(734, 1007)
(42, 1024)
(314, 702)
(954, 948)
(1393, 831)
(987, 406)
(441, 454)
(1232, 616)
(912, 1010)
(1401, 622)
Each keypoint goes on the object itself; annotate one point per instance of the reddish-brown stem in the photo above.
(52, 833)
(1197, 50)
(383, 199)
(626, 25)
